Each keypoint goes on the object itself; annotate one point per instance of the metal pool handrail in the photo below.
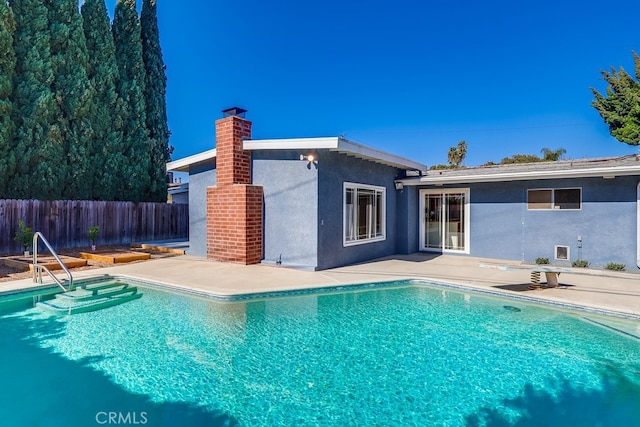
(38, 268)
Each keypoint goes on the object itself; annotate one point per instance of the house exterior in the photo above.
(318, 203)
(178, 192)
(564, 211)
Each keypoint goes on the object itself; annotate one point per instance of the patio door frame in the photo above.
(442, 192)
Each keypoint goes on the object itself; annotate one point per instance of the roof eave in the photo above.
(610, 172)
(184, 164)
(291, 144)
(380, 156)
(337, 144)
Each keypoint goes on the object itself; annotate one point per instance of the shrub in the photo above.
(93, 234)
(24, 235)
(580, 263)
(542, 260)
(614, 266)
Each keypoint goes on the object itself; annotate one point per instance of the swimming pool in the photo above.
(401, 353)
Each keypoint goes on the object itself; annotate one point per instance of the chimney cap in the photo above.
(234, 111)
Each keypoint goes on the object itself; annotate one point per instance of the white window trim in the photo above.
(383, 210)
(553, 198)
(467, 220)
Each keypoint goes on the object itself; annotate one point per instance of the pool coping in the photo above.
(617, 296)
(333, 289)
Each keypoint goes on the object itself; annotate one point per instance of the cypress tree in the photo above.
(38, 143)
(155, 99)
(7, 75)
(130, 89)
(107, 155)
(73, 93)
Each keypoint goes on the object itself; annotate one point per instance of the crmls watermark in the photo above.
(121, 418)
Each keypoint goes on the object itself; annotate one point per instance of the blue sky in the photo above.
(412, 77)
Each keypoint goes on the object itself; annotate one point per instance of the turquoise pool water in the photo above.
(404, 355)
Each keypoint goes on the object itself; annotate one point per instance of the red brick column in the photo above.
(234, 223)
(234, 206)
(233, 164)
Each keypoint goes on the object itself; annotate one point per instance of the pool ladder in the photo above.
(39, 268)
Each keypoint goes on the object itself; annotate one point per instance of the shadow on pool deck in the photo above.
(526, 287)
(45, 388)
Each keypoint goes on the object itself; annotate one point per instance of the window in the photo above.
(364, 213)
(558, 198)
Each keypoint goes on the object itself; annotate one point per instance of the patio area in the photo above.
(594, 289)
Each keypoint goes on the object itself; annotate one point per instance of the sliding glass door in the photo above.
(444, 225)
(433, 236)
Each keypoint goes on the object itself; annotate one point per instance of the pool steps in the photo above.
(91, 297)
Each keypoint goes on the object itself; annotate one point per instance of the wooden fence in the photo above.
(65, 223)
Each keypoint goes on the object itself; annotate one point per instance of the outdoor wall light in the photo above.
(311, 158)
(399, 185)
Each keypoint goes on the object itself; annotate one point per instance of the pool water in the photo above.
(402, 355)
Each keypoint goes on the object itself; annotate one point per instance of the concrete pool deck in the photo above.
(594, 289)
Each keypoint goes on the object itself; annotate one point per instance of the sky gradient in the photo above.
(412, 77)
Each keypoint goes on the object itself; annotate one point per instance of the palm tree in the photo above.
(457, 154)
(552, 155)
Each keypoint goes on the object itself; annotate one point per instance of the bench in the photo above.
(551, 274)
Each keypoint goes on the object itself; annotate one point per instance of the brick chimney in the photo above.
(234, 205)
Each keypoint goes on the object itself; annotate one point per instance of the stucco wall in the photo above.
(303, 207)
(502, 227)
(407, 220)
(199, 179)
(496, 219)
(334, 169)
(290, 207)
(303, 214)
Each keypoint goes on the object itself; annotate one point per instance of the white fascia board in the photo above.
(182, 165)
(378, 155)
(609, 172)
(291, 144)
(326, 143)
(335, 144)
